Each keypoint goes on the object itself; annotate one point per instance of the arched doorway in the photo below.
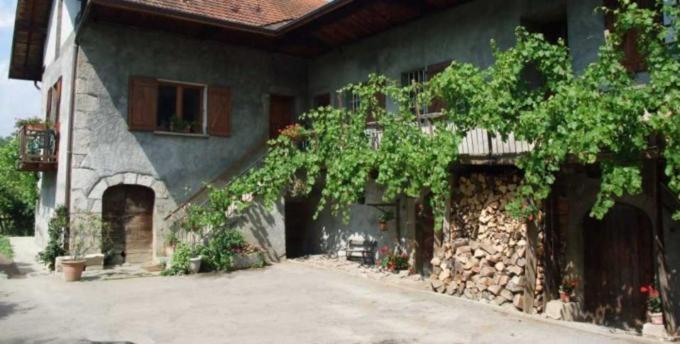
(618, 261)
(128, 209)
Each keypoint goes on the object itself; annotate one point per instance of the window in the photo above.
(157, 105)
(551, 23)
(633, 59)
(352, 101)
(180, 108)
(322, 100)
(53, 103)
(418, 76)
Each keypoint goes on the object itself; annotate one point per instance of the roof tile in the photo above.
(260, 13)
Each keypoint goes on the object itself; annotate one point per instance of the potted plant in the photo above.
(654, 311)
(294, 132)
(33, 123)
(86, 235)
(392, 260)
(384, 218)
(566, 290)
(179, 125)
(195, 263)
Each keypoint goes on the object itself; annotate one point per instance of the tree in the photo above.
(18, 192)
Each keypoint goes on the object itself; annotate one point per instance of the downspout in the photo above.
(71, 117)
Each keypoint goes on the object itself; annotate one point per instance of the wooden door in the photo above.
(618, 261)
(280, 113)
(424, 236)
(129, 211)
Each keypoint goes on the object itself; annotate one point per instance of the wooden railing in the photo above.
(37, 148)
(478, 144)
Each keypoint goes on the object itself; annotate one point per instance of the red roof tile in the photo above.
(249, 12)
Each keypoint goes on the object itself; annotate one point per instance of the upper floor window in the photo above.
(352, 101)
(632, 57)
(323, 99)
(159, 105)
(180, 108)
(417, 76)
(53, 103)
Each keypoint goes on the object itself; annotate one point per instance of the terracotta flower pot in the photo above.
(383, 226)
(73, 269)
(656, 318)
(565, 297)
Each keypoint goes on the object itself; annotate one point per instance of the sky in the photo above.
(18, 99)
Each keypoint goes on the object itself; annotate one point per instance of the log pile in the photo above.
(483, 255)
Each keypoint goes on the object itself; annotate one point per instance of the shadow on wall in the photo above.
(265, 228)
(330, 235)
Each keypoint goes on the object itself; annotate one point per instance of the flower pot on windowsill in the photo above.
(655, 318)
(565, 297)
(383, 226)
(73, 269)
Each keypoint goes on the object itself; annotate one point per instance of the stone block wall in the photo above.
(483, 254)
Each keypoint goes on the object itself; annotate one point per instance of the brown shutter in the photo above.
(437, 104)
(142, 104)
(219, 111)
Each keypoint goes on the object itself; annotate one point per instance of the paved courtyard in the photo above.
(290, 302)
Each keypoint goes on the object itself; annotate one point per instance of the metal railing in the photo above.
(37, 148)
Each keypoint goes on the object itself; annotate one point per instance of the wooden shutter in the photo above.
(437, 104)
(57, 104)
(219, 111)
(142, 104)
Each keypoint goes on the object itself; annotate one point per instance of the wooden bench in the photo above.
(362, 250)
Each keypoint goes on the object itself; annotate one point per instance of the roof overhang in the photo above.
(335, 24)
(28, 44)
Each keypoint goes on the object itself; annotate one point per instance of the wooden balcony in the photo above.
(478, 146)
(37, 148)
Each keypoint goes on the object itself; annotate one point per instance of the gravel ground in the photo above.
(291, 302)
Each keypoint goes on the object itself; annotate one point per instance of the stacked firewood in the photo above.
(483, 256)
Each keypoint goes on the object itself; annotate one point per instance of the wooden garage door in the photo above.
(618, 261)
(129, 211)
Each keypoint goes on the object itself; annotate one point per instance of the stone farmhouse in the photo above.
(151, 99)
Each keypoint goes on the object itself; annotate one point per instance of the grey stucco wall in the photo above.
(175, 167)
(53, 184)
(462, 33)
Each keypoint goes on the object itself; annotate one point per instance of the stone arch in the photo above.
(128, 178)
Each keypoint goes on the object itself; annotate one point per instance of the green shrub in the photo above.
(218, 253)
(6, 247)
(56, 230)
(179, 263)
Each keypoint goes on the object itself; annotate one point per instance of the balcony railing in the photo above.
(478, 144)
(37, 148)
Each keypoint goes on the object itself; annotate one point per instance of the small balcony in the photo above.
(37, 148)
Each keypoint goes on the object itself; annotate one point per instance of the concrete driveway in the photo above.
(285, 303)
